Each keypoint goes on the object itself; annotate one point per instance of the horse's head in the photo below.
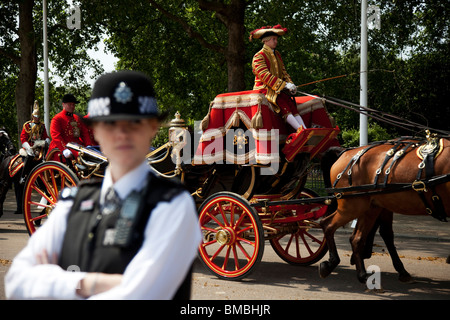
(7, 148)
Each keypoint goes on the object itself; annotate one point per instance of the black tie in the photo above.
(112, 201)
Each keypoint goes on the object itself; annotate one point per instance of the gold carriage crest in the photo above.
(240, 139)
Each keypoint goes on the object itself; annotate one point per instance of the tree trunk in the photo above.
(28, 64)
(235, 55)
(235, 52)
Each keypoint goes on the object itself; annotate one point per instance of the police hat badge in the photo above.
(123, 95)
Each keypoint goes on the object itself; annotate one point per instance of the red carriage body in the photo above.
(228, 110)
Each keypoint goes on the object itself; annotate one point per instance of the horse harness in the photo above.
(427, 152)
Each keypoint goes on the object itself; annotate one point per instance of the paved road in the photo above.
(423, 244)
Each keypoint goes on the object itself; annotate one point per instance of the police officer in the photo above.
(133, 235)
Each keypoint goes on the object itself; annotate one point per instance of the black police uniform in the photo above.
(85, 243)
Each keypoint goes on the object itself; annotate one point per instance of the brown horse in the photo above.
(373, 181)
(384, 222)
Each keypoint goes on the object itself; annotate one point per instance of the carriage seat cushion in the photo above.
(228, 109)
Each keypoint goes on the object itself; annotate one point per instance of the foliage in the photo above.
(408, 56)
(350, 137)
(67, 53)
(7, 85)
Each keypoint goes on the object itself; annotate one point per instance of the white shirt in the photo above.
(171, 240)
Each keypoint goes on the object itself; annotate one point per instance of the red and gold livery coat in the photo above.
(270, 74)
(32, 131)
(66, 127)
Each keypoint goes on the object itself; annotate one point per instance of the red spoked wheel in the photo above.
(306, 245)
(42, 190)
(233, 236)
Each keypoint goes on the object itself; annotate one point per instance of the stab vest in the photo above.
(85, 246)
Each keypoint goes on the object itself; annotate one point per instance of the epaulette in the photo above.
(24, 127)
(68, 193)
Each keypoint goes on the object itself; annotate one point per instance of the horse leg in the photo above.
(18, 189)
(368, 247)
(326, 267)
(4, 186)
(329, 226)
(5, 181)
(364, 228)
(387, 233)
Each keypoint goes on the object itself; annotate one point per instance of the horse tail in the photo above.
(328, 159)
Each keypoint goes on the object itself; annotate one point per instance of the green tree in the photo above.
(21, 49)
(197, 49)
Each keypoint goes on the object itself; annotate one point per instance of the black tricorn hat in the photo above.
(69, 98)
(123, 95)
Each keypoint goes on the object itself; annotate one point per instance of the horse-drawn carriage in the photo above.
(247, 174)
(247, 178)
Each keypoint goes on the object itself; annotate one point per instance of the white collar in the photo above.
(133, 180)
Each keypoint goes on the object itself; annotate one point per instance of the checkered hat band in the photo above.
(102, 107)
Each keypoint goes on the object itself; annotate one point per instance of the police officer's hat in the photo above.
(123, 95)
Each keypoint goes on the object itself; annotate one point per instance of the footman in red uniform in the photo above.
(67, 127)
(271, 76)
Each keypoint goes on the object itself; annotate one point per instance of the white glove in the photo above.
(291, 87)
(67, 154)
(28, 149)
(39, 144)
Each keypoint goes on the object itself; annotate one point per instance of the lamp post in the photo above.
(363, 125)
(46, 94)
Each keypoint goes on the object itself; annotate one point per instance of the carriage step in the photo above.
(312, 141)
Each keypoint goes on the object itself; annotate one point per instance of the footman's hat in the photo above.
(123, 95)
(264, 32)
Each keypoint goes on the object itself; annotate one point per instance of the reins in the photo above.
(378, 115)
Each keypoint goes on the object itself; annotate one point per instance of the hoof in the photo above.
(324, 269)
(352, 260)
(405, 277)
(363, 277)
(375, 291)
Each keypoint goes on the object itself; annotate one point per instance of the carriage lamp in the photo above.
(177, 131)
(177, 138)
